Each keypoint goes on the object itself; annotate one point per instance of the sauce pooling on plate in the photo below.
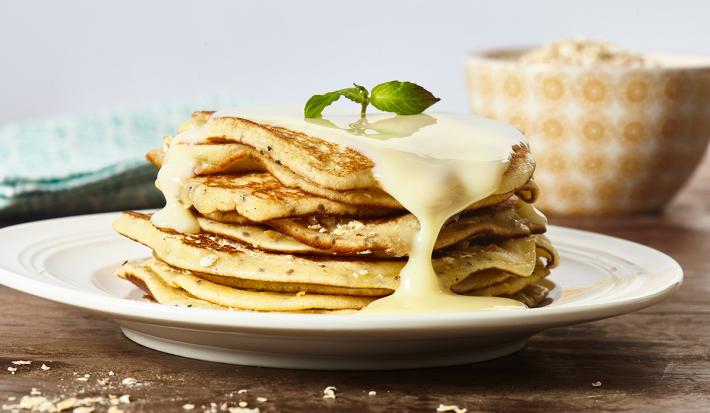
(435, 165)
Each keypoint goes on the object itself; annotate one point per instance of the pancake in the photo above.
(532, 295)
(160, 267)
(252, 299)
(546, 259)
(527, 193)
(512, 285)
(165, 288)
(393, 236)
(233, 158)
(258, 236)
(157, 289)
(261, 197)
(210, 254)
(381, 237)
(316, 160)
(170, 286)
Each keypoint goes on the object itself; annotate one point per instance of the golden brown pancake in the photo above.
(393, 236)
(260, 197)
(316, 160)
(234, 158)
(159, 287)
(380, 236)
(210, 254)
(170, 286)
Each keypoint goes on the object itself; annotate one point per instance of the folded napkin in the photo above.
(86, 163)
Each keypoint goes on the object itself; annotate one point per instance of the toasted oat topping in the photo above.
(329, 392)
(451, 408)
(583, 52)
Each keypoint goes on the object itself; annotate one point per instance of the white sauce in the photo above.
(178, 166)
(435, 165)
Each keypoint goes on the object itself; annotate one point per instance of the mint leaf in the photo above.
(363, 91)
(315, 105)
(402, 98)
(357, 94)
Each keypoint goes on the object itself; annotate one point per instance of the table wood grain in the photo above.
(655, 360)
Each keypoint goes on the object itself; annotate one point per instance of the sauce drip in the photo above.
(435, 165)
(178, 166)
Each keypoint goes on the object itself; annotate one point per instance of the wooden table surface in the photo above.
(655, 360)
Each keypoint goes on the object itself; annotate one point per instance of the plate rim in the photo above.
(536, 318)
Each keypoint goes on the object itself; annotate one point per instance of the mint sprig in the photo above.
(402, 98)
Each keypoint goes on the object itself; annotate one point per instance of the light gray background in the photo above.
(62, 57)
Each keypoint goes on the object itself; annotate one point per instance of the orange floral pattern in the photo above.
(606, 140)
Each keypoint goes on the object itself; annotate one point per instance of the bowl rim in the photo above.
(660, 61)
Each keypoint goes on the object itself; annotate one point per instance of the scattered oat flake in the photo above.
(42, 404)
(111, 373)
(129, 381)
(45, 367)
(102, 381)
(78, 404)
(20, 362)
(329, 392)
(12, 369)
(262, 399)
(188, 406)
(125, 398)
(11, 398)
(242, 403)
(451, 408)
(35, 392)
(242, 391)
(66, 403)
(243, 410)
(372, 393)
(597, 384)
(36, 403)
(82, 379)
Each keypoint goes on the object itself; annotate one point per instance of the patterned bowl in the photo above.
(608, 139)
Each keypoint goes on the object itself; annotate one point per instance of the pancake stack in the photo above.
(294, 223)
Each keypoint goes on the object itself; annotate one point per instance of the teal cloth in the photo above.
(87, 163)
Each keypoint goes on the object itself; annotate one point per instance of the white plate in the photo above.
(72, 260)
